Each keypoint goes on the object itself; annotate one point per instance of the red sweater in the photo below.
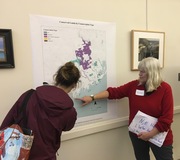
(158, 103)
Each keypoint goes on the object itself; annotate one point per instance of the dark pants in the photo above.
(142, 148)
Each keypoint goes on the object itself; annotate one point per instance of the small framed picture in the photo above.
(6, 49)
(147, 44)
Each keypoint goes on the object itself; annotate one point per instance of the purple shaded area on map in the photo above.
(84, 55)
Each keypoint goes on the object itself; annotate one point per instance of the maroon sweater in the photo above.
(158, 104)
(49, 112)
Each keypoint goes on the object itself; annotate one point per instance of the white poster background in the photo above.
(38, 24)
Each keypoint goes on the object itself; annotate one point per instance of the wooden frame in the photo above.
(147, 44)
(6, 49)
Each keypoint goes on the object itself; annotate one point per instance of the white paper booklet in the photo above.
(143, 122)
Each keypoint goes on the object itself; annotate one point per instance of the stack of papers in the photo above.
(145, 123)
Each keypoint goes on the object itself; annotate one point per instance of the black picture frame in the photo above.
(6, 49)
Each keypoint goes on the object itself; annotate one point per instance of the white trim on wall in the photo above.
(84, 130)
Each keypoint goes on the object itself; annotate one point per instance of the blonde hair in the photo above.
(152, 67)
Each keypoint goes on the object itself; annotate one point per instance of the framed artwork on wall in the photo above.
(6, 49)
(147, 44)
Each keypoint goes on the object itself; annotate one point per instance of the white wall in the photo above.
(112, 144)
(108, 145)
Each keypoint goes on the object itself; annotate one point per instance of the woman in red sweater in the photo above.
(151, 95)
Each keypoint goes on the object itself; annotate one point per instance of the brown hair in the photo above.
(67, 75)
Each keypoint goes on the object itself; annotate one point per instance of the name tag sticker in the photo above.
(139, 92)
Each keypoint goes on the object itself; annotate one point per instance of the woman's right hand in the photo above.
(85, 100)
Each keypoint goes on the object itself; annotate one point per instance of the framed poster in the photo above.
(6, 49)
(147, 44)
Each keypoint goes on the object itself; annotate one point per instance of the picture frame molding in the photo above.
(157, 40)
(6, 49)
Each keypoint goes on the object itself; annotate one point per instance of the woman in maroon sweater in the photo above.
(49, 112)
(151, 95)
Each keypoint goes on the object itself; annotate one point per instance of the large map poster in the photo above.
(90, 45)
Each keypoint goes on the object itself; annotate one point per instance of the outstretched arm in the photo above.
(88, 99)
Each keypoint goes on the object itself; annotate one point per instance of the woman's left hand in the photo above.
(147, 135)
(144, 136)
